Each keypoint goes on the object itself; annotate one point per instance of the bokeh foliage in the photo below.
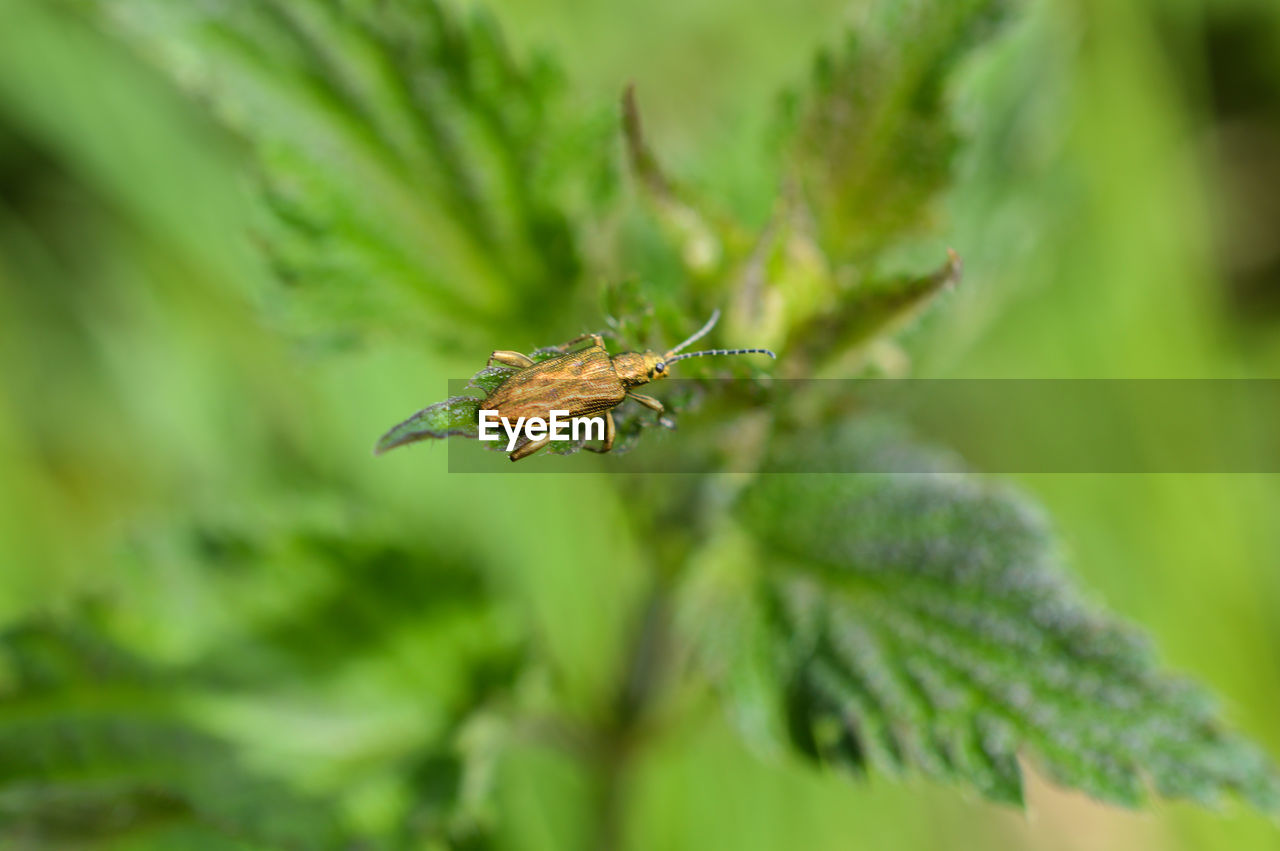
(237, 240)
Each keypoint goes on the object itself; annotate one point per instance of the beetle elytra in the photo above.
(586, 382)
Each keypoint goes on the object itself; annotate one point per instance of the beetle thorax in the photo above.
(635, 368)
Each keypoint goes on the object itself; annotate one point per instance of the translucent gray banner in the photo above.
(997, 426)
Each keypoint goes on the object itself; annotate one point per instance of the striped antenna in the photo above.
(669, 361)
(698, 335)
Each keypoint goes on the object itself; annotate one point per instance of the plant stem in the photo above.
(620, 739)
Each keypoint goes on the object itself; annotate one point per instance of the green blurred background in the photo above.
(178, 457)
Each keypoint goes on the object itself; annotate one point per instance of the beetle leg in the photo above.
(609, 431)
(509, 358)
(648, 401)
(654, 404)
(596, 340)
(529, 448)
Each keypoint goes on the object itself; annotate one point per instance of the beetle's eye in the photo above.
(659, 367)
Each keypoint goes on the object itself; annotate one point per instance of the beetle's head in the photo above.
(639, 368)
(654, 366)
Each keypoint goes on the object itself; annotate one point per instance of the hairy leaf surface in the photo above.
(923, 621)
(402, 155)
(875, 140)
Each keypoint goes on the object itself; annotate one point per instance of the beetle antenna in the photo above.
(669, 361)
(698, 335)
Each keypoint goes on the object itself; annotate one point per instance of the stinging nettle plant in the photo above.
(416, 181)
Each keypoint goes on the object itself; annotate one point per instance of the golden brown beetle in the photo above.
(585, 383)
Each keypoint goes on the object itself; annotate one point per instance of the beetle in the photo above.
(586, 382)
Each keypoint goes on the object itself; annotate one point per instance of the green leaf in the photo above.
(452, 788)
(377, 589)
(879, 309)
(924, 621)
(869, 158)
(408, 616)
(699, 239)
(457, 415)
(404, 156)
(875, 140)
(94, 746)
